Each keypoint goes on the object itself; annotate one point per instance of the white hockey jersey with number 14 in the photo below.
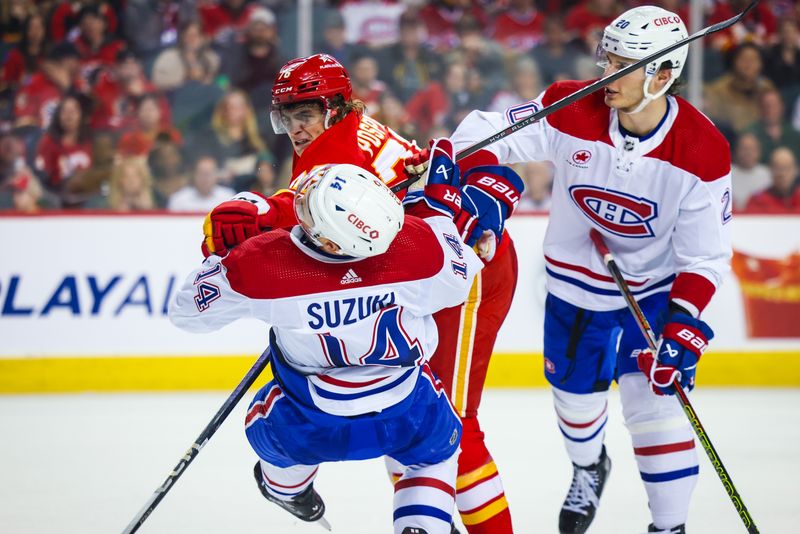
(356, 331)
(662, 201)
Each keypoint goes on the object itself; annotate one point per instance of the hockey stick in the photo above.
(589, 89)
(649, 335)
(200, 442)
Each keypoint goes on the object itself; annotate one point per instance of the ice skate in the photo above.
(581, 503)
(307, 506)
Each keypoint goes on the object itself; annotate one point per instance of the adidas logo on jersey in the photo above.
(350, 277)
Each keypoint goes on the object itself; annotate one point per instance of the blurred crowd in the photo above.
(132, 105)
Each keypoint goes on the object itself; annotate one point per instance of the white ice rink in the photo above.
(87, 463)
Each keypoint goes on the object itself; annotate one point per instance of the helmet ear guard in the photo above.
(638, 33)
(349, 206)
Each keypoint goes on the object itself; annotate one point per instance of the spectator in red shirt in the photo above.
(66, 16)
(759, 26)
(26, 58)
(784, 194)
(35, 102)
(66, 148)
(588, 19)
(117, 91)
(149, 126)
(520, 28)
(441, 17)
(96, 47)
(224, 19)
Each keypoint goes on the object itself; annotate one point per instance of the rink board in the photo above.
(83, 304)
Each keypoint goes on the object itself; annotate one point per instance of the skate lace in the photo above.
(582, 491)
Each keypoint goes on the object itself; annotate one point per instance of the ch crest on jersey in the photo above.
(619, 213)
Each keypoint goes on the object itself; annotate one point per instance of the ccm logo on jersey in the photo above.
(501, 188)
(365, 228)
(619, 213)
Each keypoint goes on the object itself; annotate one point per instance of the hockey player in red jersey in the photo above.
(652, 175)
(312, 103)
(349, 294)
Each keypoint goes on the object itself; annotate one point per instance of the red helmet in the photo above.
(317, 77)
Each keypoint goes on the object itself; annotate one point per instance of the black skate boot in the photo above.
(414, 530)
(453, 529)
(307, 506)
(680, 529)
(581, 503)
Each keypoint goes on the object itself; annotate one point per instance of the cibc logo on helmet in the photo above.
(365, 228)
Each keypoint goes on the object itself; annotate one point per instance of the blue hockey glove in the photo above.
(488, 198)
(441, 180)
(683, 341)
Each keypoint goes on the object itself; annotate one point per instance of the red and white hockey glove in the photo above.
(417, 164)
(441, 181)
(234, 221)
(683, 341)
(490, 195)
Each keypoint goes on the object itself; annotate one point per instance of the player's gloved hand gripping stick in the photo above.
(650, 336)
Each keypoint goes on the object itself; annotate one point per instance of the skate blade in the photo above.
(324, 523)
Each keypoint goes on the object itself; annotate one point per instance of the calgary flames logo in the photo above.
(619, 213)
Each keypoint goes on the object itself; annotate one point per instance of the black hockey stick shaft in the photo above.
(649, 335)
(200, 442)
(589, 89)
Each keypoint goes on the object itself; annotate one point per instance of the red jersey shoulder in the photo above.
(271, 266)
(695, 145)
(586, 118)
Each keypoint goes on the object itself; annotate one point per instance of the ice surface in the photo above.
(87, 463)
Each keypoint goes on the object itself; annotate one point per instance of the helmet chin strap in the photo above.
(647, 96)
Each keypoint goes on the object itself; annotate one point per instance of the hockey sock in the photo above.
(582, 420)
(424, 497)
(664, 447)
(285, 483)
(480, 497)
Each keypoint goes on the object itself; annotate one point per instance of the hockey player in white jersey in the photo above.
(350, 294)
(652, 175)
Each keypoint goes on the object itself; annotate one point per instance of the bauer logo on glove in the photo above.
(683, 341)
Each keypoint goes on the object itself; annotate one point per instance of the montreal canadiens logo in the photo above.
(581, 158)
(619, 213)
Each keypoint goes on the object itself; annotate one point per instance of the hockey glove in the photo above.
(683, 341)
(441, 180)
(488, 198)
(232, 222)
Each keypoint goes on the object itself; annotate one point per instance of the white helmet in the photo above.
(349, 206)
(639, 32)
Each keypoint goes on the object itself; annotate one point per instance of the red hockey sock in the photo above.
(479, 491)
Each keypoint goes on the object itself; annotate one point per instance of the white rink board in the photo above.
(97, 285)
